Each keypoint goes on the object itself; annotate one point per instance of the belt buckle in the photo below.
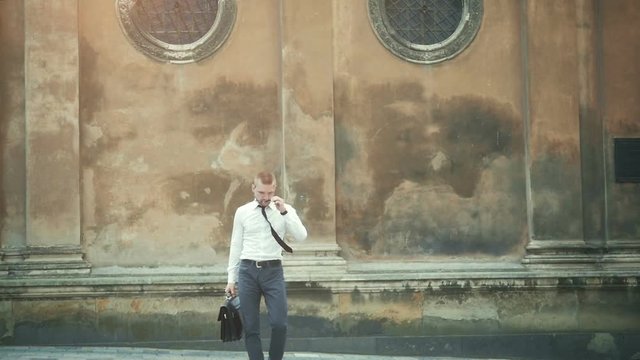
(258, 265)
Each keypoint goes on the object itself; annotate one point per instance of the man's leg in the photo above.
(249, 293)
(275, 295)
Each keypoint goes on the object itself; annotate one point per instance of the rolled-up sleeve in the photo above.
(293, 225)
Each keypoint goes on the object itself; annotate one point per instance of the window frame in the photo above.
(162, 51)
(464, 34)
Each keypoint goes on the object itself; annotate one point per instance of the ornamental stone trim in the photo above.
(464, 34)
(177, 53)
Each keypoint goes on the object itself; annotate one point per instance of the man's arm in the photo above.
(294, 225)
(235, 249)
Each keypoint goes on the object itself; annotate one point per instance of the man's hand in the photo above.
(231, 289)
(279, 203)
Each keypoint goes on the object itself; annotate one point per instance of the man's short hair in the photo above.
(265, 178)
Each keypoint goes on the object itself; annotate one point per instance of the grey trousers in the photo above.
(253, 283)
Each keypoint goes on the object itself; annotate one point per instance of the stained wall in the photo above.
(168, 151)
(468, 158)
(430, 158)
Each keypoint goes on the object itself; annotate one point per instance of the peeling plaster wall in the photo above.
(430, 158)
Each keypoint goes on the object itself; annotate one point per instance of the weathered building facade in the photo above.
(480, 183)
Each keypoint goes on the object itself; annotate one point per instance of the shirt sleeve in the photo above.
(293, 224)
(235, 248)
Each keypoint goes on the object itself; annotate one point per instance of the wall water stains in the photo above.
(554, 126)
(430, 159)
(440, 170)
(198, 191)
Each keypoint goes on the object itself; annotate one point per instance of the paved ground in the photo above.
(121, 353)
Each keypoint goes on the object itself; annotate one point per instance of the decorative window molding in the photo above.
(425, 31)
(177, 31)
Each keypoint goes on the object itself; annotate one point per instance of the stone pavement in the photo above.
(128, 353)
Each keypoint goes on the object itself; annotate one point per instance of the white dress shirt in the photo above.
(251, 237)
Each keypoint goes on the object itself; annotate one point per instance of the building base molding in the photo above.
(331, 276)
(315, 261)
(399, 306)
(43, 261)
(571, 253)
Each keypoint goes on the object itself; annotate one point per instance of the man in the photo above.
(255, 263)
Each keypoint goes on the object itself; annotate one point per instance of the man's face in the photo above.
(263, 193)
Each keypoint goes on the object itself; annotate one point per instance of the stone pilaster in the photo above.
(555, 201)
(51, 141)
(308, 123)
(12, 160)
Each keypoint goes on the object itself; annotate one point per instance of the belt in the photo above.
(261, 264)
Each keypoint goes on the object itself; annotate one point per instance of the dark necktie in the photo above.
(275, 234)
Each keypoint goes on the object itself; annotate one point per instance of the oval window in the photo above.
(425, 31)
(177, 31)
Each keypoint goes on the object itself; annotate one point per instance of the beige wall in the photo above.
(469, 158)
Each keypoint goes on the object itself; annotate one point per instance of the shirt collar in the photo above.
(257, 204)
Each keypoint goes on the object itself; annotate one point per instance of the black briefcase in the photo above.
(229, 318)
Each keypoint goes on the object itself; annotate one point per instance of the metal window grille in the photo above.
(175, 22)
(424, 22)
